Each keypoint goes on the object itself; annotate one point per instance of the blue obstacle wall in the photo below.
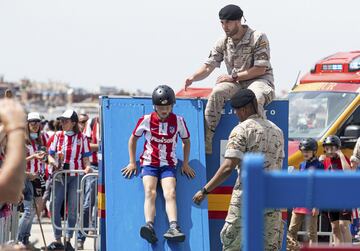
(125, 198)
(119, 116)
(262, 190)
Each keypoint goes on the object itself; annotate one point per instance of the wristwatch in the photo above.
(204, 191)
(235, 76)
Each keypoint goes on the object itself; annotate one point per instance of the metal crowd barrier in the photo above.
(9, 221)
(93, 211)
(62, 176)
(320, 231)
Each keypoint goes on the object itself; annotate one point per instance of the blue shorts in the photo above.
(159, 172)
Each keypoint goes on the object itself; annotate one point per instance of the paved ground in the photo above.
(49, 237)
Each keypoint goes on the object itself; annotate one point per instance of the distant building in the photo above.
(108, 90)
(4, 85)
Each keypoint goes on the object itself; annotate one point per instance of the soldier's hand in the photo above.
(199, 197)
(188, 82)
(188, 171)
(128, 171)
(224, 78)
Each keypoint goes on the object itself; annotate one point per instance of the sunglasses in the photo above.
(34, 122)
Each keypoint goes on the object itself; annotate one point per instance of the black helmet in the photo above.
(163, 95)
(308, 144)
(332, 140)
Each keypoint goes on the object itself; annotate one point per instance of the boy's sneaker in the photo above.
(174, 234)
(148, 233)
(68, 246)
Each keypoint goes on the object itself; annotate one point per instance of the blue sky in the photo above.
(140, 44)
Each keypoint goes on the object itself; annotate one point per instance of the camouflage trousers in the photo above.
(222, 92)
(231, 234)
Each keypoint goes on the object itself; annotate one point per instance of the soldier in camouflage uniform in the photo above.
(355, 158)
(246, 54)
(253, 134)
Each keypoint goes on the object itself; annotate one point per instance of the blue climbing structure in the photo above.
(122, 214)
(125, 197)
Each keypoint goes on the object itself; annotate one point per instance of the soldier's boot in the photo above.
(174, 234)
(209, 134)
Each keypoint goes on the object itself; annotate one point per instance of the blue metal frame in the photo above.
(319, 189)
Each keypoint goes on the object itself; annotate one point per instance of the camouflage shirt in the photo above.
(252, 50)
(257, 135)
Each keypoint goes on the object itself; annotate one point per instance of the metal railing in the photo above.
(320, 231)
(9, 221)
(93, 210)
(62, 176)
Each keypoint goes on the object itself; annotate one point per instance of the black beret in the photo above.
(230, 12)
(242, 98)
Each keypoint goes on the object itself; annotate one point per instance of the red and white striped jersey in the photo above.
(160, 138)
(355, 213)
(44, 137)
(48, 168)
(92, 132)
(33, 166)
(70, 149)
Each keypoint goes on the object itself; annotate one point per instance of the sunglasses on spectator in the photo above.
(34, 122)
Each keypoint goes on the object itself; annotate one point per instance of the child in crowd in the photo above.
(335, 160)
(308, 148)
(33, 191)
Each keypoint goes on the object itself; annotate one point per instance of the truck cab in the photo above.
(326, 101)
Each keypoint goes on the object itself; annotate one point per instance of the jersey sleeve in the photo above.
(183, 130)
(86, 152)
(52, 148)
(88, 129)
(140, 127)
